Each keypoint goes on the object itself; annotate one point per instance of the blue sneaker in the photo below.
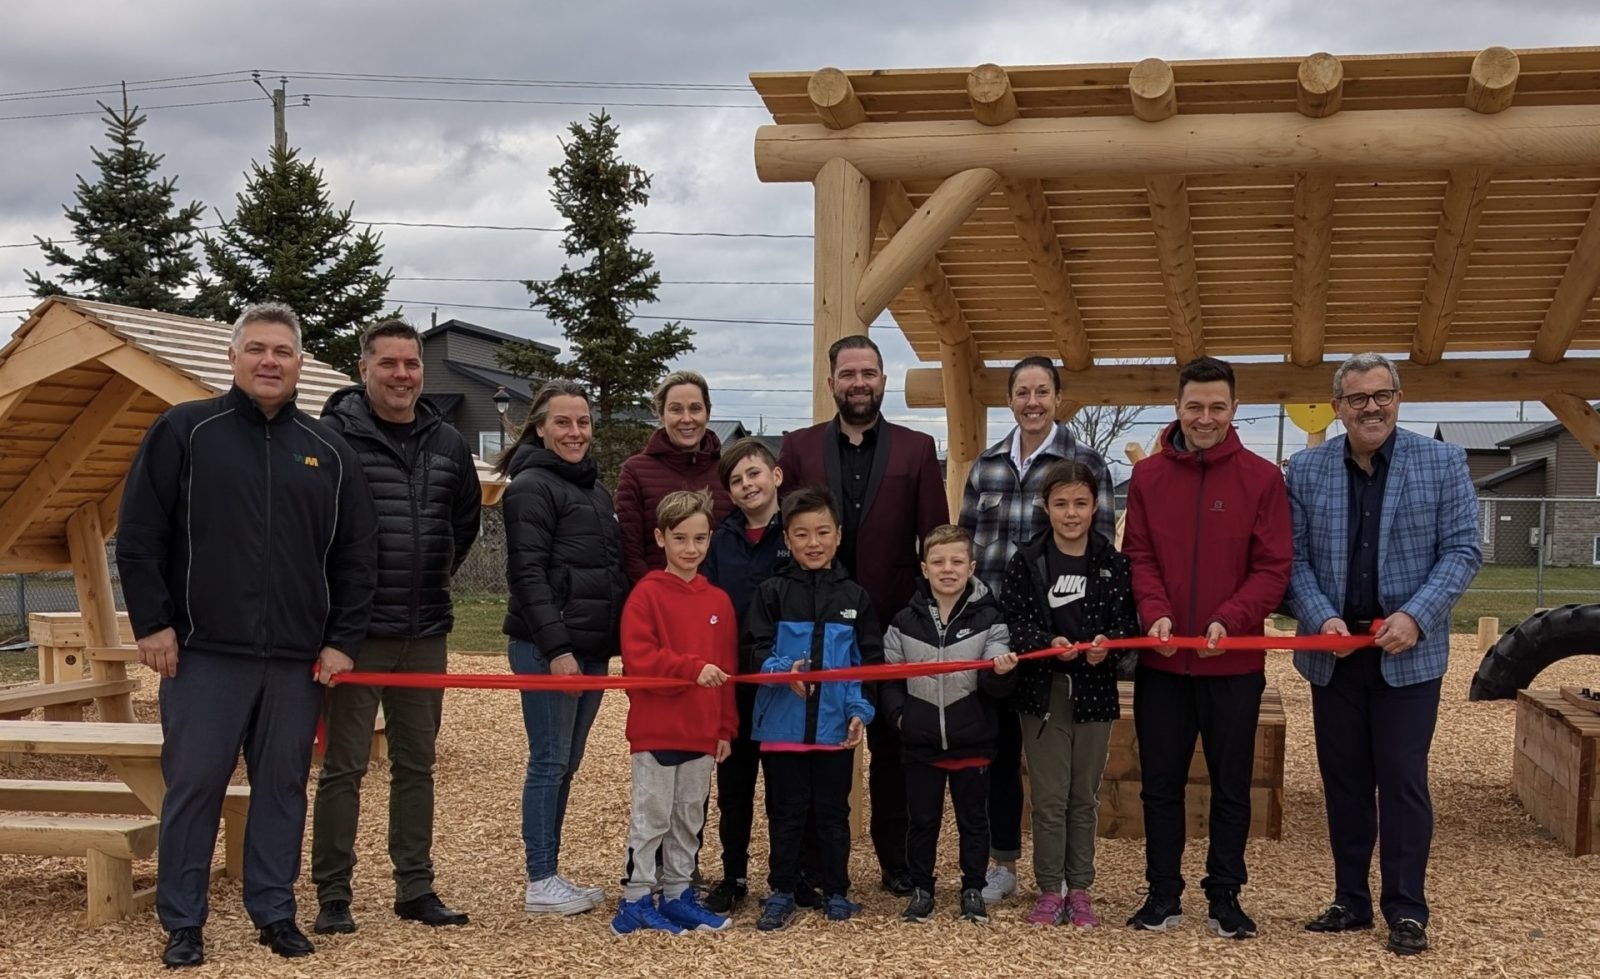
(777, 912)
(686, 911)
(837, 907)
(641, 915)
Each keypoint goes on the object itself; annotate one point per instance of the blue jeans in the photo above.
(558, 726)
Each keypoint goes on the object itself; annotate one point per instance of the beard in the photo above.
(859, 414)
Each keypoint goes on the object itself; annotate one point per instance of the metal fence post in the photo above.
(1538, 579)
(22, 603)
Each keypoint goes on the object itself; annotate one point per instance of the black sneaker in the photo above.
(973, 908)
(334, 919)
(727, 895)
(898, 882)
(806, 896)
(1408, 937)
(1227, 919)
(1162, 910)
(1336, 919)
(921, 907)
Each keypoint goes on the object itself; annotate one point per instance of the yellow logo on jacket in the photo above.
(310, 461)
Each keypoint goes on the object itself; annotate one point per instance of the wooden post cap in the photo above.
(1320, 81)
(1492, 83)
(1154, 92)
(834, 99)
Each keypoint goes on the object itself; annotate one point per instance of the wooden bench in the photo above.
(110, 844)
(62, 642)
(18, 701)
(1555, 768)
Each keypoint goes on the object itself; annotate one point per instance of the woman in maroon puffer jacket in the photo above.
(681, 455)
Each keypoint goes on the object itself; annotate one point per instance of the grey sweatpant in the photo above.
(1065, 762)
(669, 809)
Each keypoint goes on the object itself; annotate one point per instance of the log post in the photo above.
(91, 574)
(1464, 196)
(1492, 82)
(1319, 86)
(1169, 214)
(1030, 213)
(1488, 633)
(1313, 247)
(1153, 90)
(966, 416)
(989, 91)
(843, 244)
(835, 100)
(1578, 285)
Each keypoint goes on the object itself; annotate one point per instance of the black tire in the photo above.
(1525, 651)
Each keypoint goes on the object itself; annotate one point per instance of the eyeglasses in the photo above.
(1384, 399)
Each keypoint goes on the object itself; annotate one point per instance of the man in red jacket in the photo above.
(886, 480)
(1208, 537)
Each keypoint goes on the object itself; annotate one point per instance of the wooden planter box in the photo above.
(1556, 769)
(1122, 814)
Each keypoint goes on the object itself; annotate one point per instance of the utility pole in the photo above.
(279, 98)
(1278, 459)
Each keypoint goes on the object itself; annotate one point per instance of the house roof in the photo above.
(484, 333)
(1475, 436)
(1537, 433)
(1508, 473)
(728, 429)
(520, 388)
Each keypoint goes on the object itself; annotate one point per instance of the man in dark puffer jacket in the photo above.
(426, 489)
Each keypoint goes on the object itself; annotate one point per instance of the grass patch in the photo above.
(19, 667)
(478, 621)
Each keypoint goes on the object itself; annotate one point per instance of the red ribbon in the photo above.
(876, 672)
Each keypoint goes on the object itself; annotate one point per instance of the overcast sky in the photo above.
(400, 155)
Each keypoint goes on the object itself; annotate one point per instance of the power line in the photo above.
(530, 227)
(132, 87)
(111, 88)
(664, 319)
(665, 282)
(492, 82)
(604, 103)
(142, 108)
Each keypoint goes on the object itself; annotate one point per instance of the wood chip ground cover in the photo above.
(1507, 901)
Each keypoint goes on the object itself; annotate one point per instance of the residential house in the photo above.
(1544, 462)
(461, 378)
(1485, 454)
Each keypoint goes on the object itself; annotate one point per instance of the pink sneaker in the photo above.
(1047, 910)
(1080, 910)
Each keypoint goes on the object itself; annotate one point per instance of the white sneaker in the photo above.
(552, 895)
(1001, 884)
(596, 896)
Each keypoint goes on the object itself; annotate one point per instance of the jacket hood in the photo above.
(976, 596)
(1172, 442)
(532, 455)
(661, 447)
(794, 571)
(1034, 547)
(694, 586)
(350, 404)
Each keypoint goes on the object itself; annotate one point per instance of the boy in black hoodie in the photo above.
(947, 722)
(747, 548)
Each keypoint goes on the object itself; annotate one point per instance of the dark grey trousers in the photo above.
(411, 725)
(217, 705)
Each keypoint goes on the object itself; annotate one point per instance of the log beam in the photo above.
(28, 558)
(932, 289)
(989, 91)
(1313, 247)
(1282, 383)
(1464, 197)
(1030, 212)
(1270, 142)
(1577, 288)
(1492, 82)
(70, 450)
(111, 507)
(1578, 417)
(1169, 213)
(1319, 86)
(843, 244)
(835, 100)
(97, 601)
(920, 239)
(1153, 90)
(967, 417)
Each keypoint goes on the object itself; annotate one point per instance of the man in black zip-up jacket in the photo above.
(247, 551)
(428, 500)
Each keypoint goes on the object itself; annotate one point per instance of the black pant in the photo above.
(1372, 747)
(969, 794)
(1005, 788)
(1169, 710)
(736, 791)
(217, 704)
(886, 784)
(815, 784)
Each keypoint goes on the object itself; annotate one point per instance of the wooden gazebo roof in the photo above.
(1303, 209)
(80, 382)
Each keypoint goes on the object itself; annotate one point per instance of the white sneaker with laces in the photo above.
(596, 896)
(1001, 883)
(552, 895)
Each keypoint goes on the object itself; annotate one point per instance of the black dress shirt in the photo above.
(1361, 603)
(855, 472)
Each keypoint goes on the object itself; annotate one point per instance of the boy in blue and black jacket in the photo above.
(746, 549)
(810, 616)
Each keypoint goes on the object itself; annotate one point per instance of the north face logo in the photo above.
(848, 613)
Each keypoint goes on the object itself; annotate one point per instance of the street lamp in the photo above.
(502, 402)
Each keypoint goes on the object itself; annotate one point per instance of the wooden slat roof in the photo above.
(1242, 224)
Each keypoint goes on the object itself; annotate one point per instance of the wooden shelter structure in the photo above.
(80, 382)
(1436, 206)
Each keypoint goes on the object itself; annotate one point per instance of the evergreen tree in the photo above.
(596, 192)
(287, 244)
(137, 250)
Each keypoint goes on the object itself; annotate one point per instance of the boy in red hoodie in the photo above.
(675, 624)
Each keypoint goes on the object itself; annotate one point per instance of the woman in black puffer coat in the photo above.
(564, 568)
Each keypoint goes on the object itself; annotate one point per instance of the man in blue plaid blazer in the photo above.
(1385, 528)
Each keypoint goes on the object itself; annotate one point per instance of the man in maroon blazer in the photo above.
(885, 479)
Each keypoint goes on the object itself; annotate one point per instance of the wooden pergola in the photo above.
(80, 382)
(1437, 207)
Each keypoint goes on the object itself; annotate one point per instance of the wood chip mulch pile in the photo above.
(1507, 901)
